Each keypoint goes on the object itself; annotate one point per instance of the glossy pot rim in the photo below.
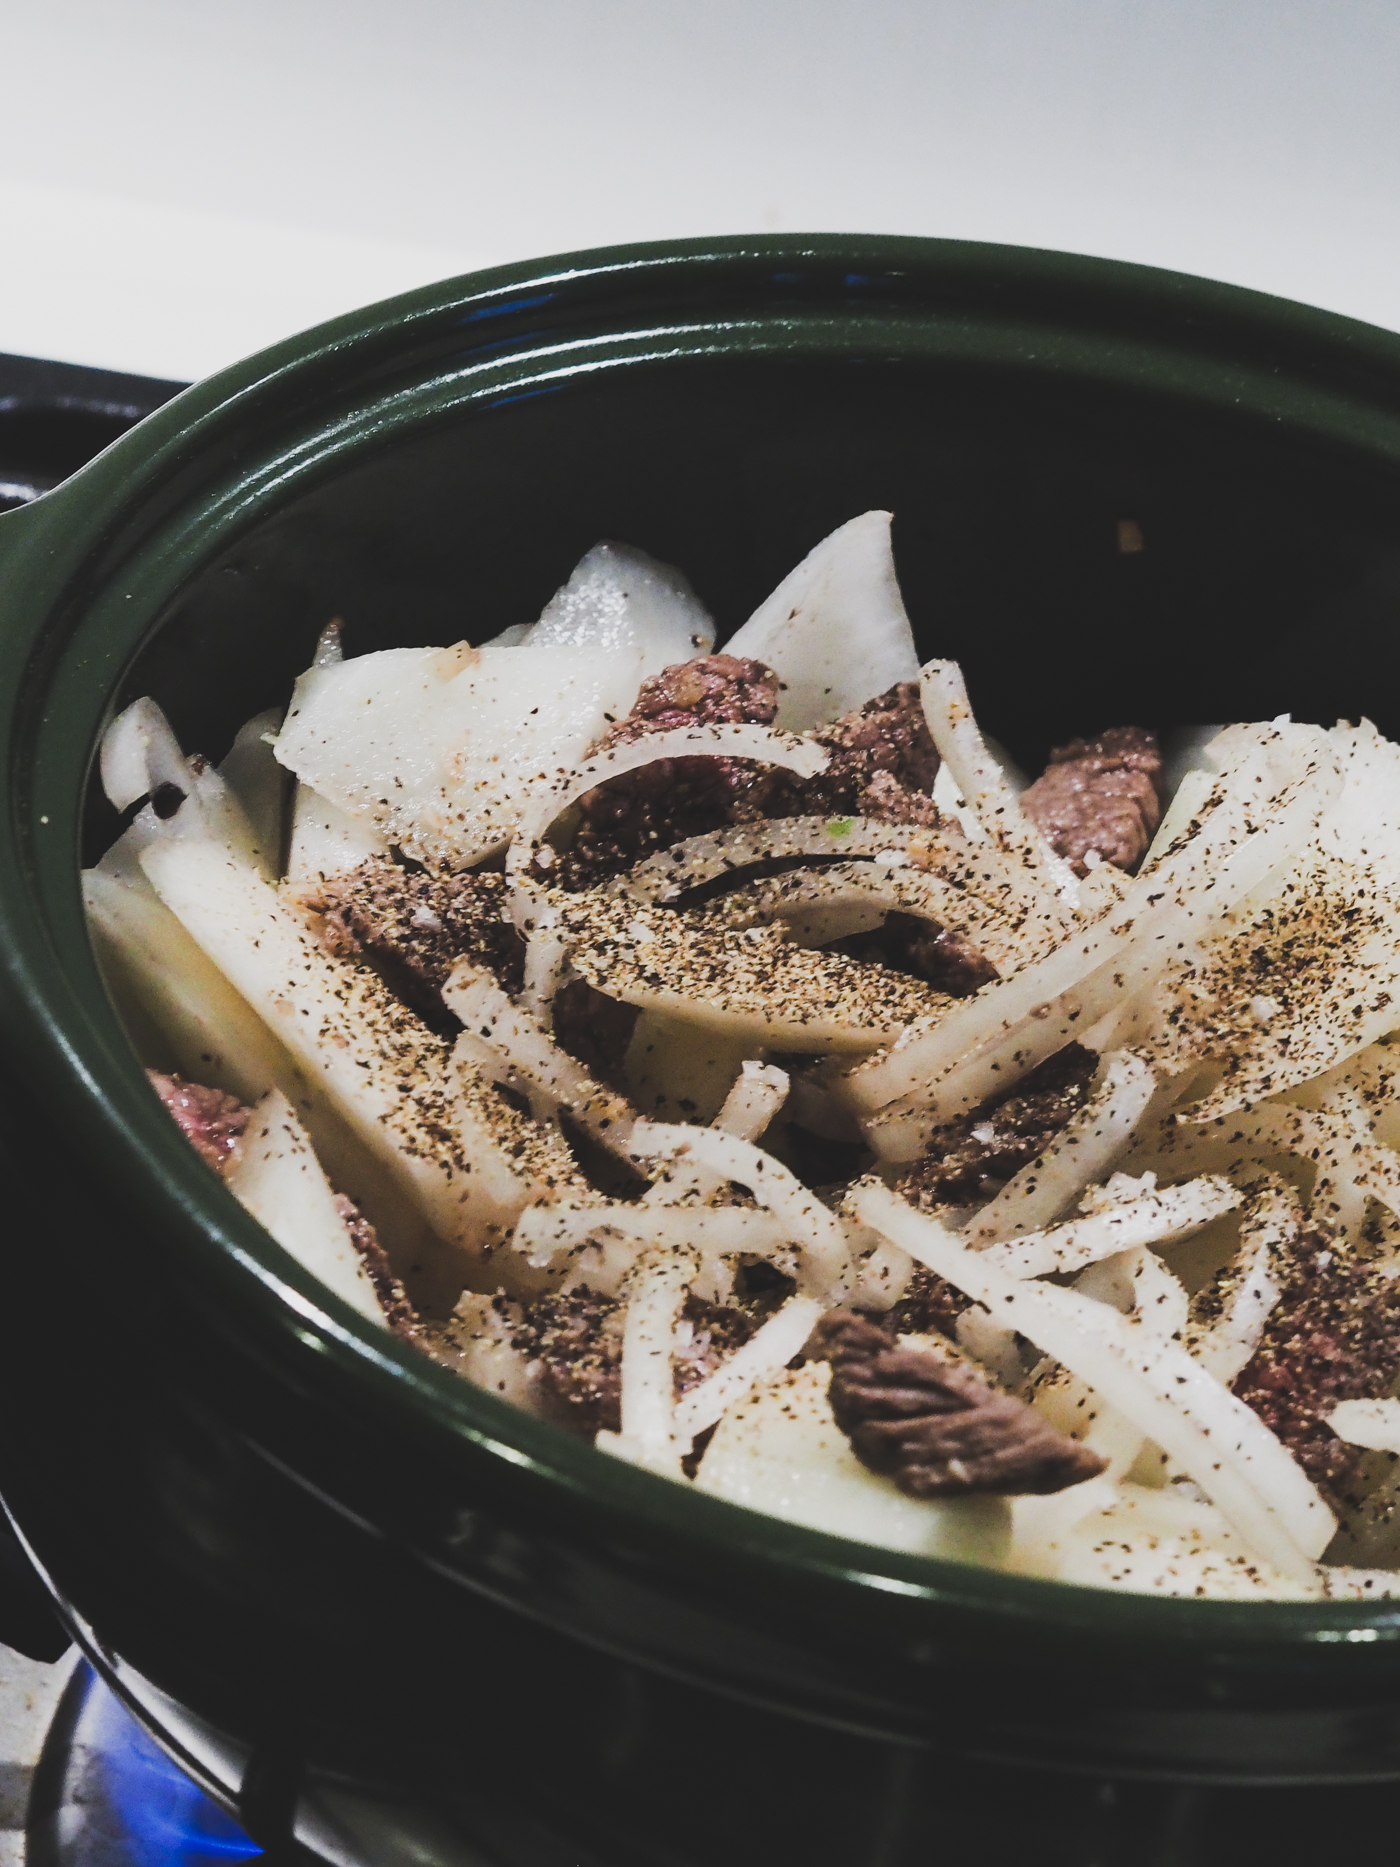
(88, 569)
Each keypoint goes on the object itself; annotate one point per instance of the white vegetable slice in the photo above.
(275, 1174)
(668, 874)
(327, 840)
(619, 597)
(678, 1070)
(770, 1348)
(214, 1035)
(983, 784)
(1371, 1423)
(779, 1451)
(139, 753)
(803, 899)
(259, 784)
(757, 1095)
(459, 1153)
(843, 593)
(567, 1237)
(1304, 974)
(1158, 1542)
(1175, 1214)
(1156, 1384)
(438, 748)
(1228, 1316)
(655, 1297)
(1345, 1156)
(749, 985)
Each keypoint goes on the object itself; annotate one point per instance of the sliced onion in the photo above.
(803, 756)
(827, 1269)
(988, 1041)
(983, 783)
(1268, 1229)
(757, 1095)
(1175, 1214)
(507, 1044)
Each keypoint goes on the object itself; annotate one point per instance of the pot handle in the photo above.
(12, 533)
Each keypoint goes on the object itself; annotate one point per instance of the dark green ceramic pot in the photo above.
(359, 1570)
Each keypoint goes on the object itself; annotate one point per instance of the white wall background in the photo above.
(182, 180)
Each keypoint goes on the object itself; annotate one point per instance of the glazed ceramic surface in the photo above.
(336, 1551)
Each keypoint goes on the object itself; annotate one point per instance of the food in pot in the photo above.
(713, 1053)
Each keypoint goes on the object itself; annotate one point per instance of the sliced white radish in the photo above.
(252, 773)
(835, 630)
(213, 1034)
(276, 1175)
(619, 597)
(1374, 1424)
(758, 1093)
(438, 748)
(140, 752)
(327, 840)
(983, 785)
(779, 1451)
(464, 1158)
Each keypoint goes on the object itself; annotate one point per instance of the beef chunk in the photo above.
(1333, 1335)
(925, 950)
(1100, 795)
(632, 816)
(594, 1029)
(930, 1305)
(882, 764)
(399, 1313)
(411, 927)
(574, 1341)
(1001, 1136)
(936, 1427)
(211, 1121)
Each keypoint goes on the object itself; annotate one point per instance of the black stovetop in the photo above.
(55, 416)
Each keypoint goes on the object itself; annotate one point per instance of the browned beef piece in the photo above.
(399, 1313)
(595, 1029)
(643, 811)
(883, 763)
(936, 1427)
(1001, 1136)
(924, 949)
(930, 1305)
(210, 1120)
(1100, 794)
(574, 1341)
(1333, 1335)
(411, 927)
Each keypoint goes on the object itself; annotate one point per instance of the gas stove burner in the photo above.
(106, 1795)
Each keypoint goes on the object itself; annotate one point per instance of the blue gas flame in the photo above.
(165, 1819)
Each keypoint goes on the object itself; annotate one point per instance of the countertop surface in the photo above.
(179, 186)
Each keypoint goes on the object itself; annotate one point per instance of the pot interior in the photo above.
(1093, 555)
